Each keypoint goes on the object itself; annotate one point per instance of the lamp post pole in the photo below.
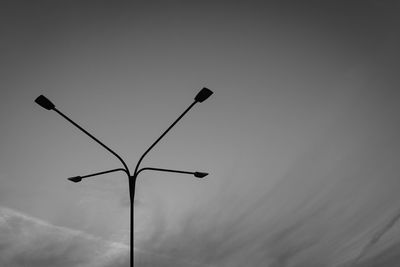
(200, 97)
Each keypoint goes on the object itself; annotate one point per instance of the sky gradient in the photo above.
(300, 137)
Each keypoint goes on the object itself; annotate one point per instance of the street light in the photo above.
(199, 98)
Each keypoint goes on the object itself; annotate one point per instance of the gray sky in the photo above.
(300, 137)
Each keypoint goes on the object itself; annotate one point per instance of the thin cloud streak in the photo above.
(334, 206)
(27, 241)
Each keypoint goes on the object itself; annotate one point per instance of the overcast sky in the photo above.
(300, 136)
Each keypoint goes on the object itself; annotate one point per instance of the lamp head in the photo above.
(44, 102)
(200, 174)
(203, 95)
(75, 179)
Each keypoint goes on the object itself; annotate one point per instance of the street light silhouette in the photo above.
(199, 98)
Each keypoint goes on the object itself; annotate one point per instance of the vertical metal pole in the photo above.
(132, 183)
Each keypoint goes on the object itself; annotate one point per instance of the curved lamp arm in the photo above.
(76, 179)
(47, 104)
(200, 97)
(161, 136)
(196, 174)
(95, 139)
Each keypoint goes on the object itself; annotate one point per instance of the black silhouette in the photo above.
(199, 98)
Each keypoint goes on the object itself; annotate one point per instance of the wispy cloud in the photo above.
(337, 205)
(26, 241)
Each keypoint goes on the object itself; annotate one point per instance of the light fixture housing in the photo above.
(203, 95)
(44, 102)
(75, 179)
(200, 174)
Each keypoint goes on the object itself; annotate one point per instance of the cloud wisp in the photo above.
(27, 241)
(337, 205)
